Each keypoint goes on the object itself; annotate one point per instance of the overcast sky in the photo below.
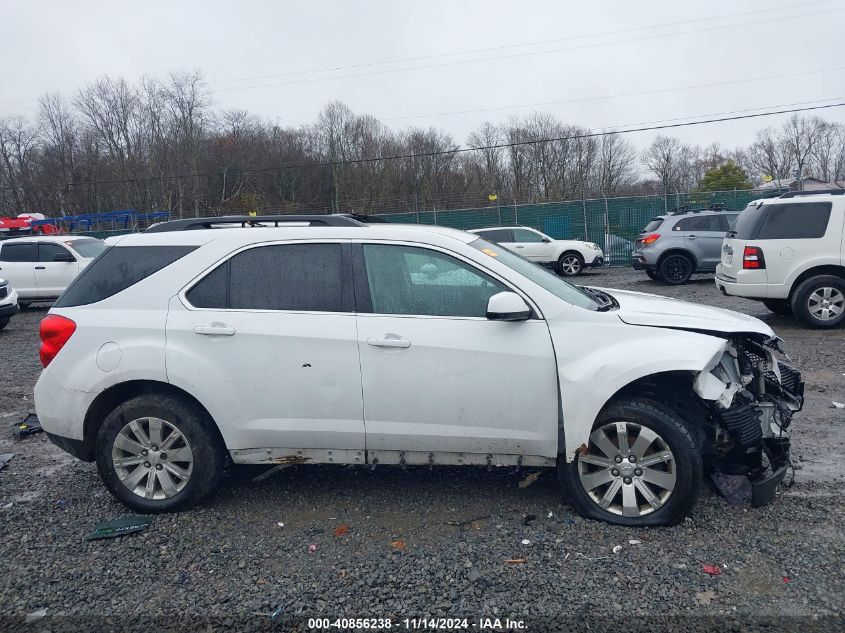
(260, 55)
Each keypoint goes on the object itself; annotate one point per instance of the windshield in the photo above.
(539, 275)
(89, 247)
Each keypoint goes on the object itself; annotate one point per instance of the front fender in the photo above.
(603, 358)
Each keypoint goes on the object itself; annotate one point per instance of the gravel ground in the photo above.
(231, 564)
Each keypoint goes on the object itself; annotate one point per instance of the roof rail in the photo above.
(816, 192)
(194, 224)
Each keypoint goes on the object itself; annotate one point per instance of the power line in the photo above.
(457, 150)
(516, 45)
(523, 54)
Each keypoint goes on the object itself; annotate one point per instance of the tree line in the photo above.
(161, 145)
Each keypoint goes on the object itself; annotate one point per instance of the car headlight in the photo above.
(595, 247)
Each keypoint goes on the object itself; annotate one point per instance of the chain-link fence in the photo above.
(612, 223)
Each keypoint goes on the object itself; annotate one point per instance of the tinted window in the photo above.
(730, 218)
(116, 269)
(748, 222)
(700, 223)
(419, 281)
(305, 277)
(88, 248)
(497, 235)
(526, 237)
(653, 225)
(795, 221)
(47, 252)
(17, 252)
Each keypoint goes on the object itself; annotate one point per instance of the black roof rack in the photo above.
(816, 192)
(194, 224)
(715, 206)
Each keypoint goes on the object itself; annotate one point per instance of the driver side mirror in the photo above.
(507, 306)
(546, 240)
(63, 257)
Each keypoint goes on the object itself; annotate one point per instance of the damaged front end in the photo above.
(751, 394)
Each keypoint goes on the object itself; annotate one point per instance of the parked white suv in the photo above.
(789, 253)
(567, 257)
(41, 267)
(349, 344)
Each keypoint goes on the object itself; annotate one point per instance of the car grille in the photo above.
(743, 423)
(4, 291)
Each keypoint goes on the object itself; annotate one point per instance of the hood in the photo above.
(639, 308)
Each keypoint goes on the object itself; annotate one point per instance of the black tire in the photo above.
(205, 447)
(570, 264)
(687, 465)
(779, 306)
(816, 287)
(23, 305)
(676, 269)
(653, 275)
(4, 322)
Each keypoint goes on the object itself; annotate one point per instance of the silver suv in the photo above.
(674, 246)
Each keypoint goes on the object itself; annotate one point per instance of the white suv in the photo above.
(349, 344)
(567, 257)
(789, 252)
(41, 267)
(8, 303)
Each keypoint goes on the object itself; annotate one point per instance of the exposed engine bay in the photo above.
(751, 394)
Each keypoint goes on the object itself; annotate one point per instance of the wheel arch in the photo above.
(815, 271)
(677, 251)
(117, 394)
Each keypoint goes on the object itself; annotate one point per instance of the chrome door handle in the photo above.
(389, 340)
(215, 329)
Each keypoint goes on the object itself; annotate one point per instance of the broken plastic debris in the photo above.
(341, 529)
(29, 425)
(525, 541)
(120, 527)
(5, 458)
(35, 615)
(617, 549)
(634, 541)
(713, 570)
(529, 479)
(837, 405)
(515, 561)
(280, 524)
(786, 579)
(398, 544)
(312, 548)
(551, 514)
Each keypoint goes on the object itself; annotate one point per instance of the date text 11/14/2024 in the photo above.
(444, 624)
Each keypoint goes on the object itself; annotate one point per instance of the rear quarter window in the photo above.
(653, 225)
(116, 269)
(795, 221)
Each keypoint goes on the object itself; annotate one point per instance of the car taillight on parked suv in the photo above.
(651, 238)
(753, 258)
(55, 331)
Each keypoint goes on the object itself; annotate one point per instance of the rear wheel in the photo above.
(778, 306)
(653, 275)
(158, 453)
(819, 302)
(676, 269)
(570, 264)
(640, 467)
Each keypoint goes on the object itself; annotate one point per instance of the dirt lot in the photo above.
(420, 542)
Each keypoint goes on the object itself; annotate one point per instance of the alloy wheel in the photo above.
(627, 469)
(570, 265)
(152, 458)
(826, 303)
(676, 269)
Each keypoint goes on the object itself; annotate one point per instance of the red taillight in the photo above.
(752, 257)
(55, 331)
(651, 239)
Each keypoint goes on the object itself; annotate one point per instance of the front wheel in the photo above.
(819, 302)
(570, 264)
(158, 453)
(641, 466)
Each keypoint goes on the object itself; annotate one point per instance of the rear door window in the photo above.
(497, 235)
(524, 236)
(795, 221)
(295, 277)
(17, 252)
(117, 269)
(699, 223)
